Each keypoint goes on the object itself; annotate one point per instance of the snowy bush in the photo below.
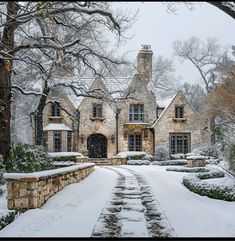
(26, 158)
(138, 162)
(209, 150)
(195, 184)
(161, 154)
(148, 157)
(64, 156)
(170, 162)
(178, 156)
(229, 155)
(187, 169)
(132, 155)
(7, 219)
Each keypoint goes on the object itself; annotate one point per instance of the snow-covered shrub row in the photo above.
(161, 154)
(178, 156)
(169, 162)
(195, 184)
(132, 155)
(2, 181)
(26, 158)
(7, 219)
(187, 169)
(64, 156)
(229, 155)
(138, 162)
(208, 150)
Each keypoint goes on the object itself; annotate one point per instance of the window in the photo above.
(179, 143)
(55, 109)
(57, 141)
(134, 143)
(69, 141)
(136, 113)
(179, 112)
(97, 110)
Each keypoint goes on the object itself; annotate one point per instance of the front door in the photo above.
(97, 146)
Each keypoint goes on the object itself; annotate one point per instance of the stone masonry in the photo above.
(32, 192)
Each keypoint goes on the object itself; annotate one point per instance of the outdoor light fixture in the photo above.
(113, 138)
(82, 138)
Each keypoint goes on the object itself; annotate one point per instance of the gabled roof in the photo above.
(170, 101)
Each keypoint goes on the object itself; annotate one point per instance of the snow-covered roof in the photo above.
(111, 83)
(164, 103)
(56, 127)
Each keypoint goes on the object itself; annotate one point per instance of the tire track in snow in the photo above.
(132, 210)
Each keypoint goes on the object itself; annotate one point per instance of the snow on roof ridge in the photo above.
(172, 98)
(56, 126)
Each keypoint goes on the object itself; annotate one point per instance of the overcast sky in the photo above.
(157, 27)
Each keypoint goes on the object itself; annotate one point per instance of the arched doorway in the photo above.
(97, 146)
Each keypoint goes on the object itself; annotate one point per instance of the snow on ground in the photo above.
(74, 211)
(190, 214)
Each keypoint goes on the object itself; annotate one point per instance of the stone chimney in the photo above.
(144, 63)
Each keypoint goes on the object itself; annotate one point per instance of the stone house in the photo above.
(137, 123)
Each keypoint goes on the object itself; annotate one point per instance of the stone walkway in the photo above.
(132, 210)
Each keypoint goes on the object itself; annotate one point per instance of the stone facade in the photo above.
(108, 128)
(32, 192)
(190, 124)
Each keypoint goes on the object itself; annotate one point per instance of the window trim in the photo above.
(179, 111)
(54, 141)
(55, 109)
(182, 134)
(133, 147)
(97, 110)
(136, 112)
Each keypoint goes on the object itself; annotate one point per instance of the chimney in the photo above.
(144, 63)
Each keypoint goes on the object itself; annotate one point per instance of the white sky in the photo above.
(157, 27)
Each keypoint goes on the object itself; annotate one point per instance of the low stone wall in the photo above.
(195, 162)
(103, 161)
(32, 190)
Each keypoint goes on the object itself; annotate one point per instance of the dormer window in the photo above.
(55, 109)
(97, 110)
(179, 112)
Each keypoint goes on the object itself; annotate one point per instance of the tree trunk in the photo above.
(5, 109)
(39, 116)
(212, 129)
(6, 44)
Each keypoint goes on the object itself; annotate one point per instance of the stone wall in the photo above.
(32, 190)
(103, 161)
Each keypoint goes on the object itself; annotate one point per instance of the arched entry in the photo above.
(97, 146)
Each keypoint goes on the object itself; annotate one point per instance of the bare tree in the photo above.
(42, 34)
(204, 57)
(227, 7)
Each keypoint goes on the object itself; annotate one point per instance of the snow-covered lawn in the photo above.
(75, 210)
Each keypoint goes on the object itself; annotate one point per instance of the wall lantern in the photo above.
(113, 138)
(82, 138)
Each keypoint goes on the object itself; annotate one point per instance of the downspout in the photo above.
(152, 130)
(116, 118)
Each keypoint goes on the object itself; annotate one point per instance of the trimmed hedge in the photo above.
(7, 219)
(187, 169)
(170, 162)
(194, 184)
(138, 162)
(64, 158)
